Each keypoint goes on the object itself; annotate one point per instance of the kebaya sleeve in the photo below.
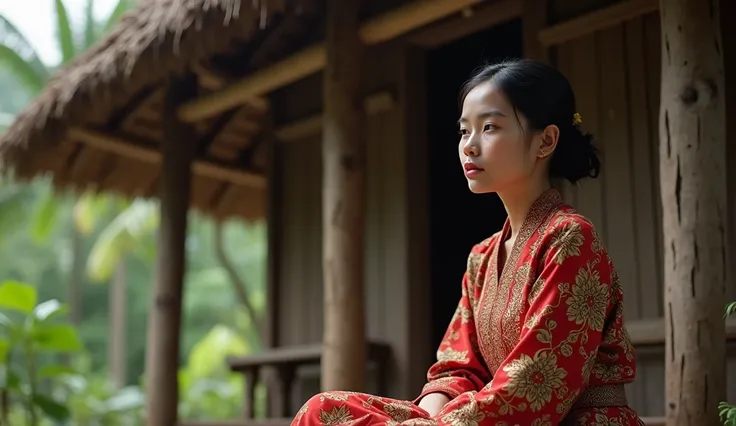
(459, 367)
(544, 374)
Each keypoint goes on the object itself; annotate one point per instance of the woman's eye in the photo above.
(462, 132)
(488, 127)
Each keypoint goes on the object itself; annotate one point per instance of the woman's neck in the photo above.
(519, 200)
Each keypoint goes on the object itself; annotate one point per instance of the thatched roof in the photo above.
(98, 121)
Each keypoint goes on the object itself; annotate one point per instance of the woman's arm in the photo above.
(433, 403)
(545, 373)
(459, 367)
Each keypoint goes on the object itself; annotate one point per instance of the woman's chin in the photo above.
(478, 187)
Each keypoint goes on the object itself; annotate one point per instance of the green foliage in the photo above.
(730, 309)
(208, 389)
(45, 234)
(18, 56)
(28, 331)
(726, 410)
(728, 413)
(127, 232)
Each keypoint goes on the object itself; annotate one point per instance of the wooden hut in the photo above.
(242, 108)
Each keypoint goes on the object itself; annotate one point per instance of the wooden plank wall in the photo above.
(300, 257)
(616, 77)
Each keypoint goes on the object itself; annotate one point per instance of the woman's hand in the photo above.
(433, 403)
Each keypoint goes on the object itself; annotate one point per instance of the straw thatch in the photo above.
(115, 89)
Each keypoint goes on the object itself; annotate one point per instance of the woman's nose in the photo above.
(470, 147)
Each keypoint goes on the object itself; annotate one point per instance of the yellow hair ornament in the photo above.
(576, 119)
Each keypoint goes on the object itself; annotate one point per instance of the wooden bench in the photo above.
(285, 361)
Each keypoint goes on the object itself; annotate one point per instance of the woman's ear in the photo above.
(549, 137)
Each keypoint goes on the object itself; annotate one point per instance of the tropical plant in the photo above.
(727, 410)
(30, 333)
(208, 389)
(18, 57)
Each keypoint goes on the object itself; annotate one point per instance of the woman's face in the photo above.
(495, 152)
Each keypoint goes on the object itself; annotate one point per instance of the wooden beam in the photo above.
(211, 80)
(535, 18)
(131, 149)
(178, 149)
(298, 130)
(312, 59)
(480, 18)
(596, 21)
(652, 331)
(343, 203)
(408, 17)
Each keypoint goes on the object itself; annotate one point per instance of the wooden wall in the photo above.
(615, 73)
(616, 77)
(387, 247)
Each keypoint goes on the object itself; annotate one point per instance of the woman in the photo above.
(538, 336)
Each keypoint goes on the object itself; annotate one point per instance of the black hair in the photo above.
(544, 96)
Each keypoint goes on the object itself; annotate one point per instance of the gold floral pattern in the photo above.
(452, 355)
(398, 411)
(336, 416)
(530, 342)
(589, 299)
(566, 241)
(534, 379)
(466, 415)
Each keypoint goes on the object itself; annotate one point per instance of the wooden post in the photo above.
(343, 209)
(162, 352)
(693, 181)
(534, 20)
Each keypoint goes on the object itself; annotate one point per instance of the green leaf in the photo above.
(57, 338)
(17, 296)
(122, 7)
(50, 371)
(19, 56)
(126, 232)
(49, 309)
(4, 350)
(64, 33)
(45, 216)
(87, 210)
(8, 379)
(5, 321)
(210, 353)
(128, 398)
(90, 25)
(730, 309)
(13, 208)
(51, 408)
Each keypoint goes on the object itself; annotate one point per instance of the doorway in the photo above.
(458, 219)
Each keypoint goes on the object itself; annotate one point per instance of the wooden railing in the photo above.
(285, 361)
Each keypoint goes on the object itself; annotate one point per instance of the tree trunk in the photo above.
(76, 280)
(343, 209)
(239, 287)
(162, 354)
(693, 180)
(118, 319)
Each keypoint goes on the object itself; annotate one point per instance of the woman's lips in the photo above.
(472, 170)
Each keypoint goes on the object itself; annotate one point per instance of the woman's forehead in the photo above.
(486, 99)
(486, 96)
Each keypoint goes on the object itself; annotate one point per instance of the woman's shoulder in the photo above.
(568, 226)
(486, 246)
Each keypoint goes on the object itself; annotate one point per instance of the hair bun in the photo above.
(576, 156)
